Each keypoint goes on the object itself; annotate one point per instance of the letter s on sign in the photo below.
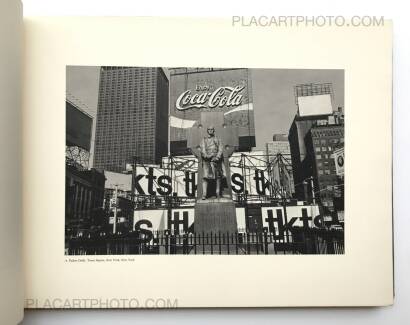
(146, 233)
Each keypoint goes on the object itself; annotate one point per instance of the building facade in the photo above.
(84, 200)
(279, 149)
(280, 144)
(119, 208)
(321, 143)
(315, 107)
(299, 129)
(132, 117)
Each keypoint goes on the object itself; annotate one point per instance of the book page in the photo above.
(11, 273)
(204, 164)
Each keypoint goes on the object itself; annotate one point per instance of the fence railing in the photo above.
(297, 241)
(144, 201)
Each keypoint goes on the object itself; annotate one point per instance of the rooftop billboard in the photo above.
(78, 127)
(315, 105)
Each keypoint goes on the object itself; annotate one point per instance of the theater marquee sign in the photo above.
(193, 91)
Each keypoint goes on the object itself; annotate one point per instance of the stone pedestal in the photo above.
(215, 215)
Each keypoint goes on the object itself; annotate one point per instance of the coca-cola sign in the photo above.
(219, 98)
(195, 90)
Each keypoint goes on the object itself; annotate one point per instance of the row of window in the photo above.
(327, 133)
(127, 89)
(324, 172)
(325, 156)
(127, 74)
(132, 84)
(117, 100)
(325, 163)
(324, 149)
(330, 141)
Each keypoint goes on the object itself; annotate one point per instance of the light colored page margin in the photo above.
(361, 277)
(11, 278)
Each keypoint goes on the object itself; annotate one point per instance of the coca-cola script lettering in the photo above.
(221, 97)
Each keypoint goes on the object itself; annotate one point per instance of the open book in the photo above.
(193, 163)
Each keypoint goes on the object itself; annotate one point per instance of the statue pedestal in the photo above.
(215, 215)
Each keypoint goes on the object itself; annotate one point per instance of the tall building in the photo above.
(314, 107)
(321, 142)
(280, 146)
(132, 117)
(297, 133)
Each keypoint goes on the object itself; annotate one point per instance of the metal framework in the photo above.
(313, 89)
(78, 157)
(277, 170)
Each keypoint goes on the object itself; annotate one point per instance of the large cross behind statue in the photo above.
(214, 214)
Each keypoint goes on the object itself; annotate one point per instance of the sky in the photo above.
(273, 94)
(274, 99)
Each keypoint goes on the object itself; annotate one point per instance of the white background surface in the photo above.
(396, 10)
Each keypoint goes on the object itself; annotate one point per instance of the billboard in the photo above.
(273, 218)
(339, 155)
(117, 180)
(315, 105)
(179, 177)
(195, 90)
(78, 127)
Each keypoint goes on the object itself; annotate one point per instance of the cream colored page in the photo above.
(363, 276)
(11, 279)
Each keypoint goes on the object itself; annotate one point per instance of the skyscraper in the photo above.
(298, 130)
(315, 107)
(321, 142)
(132, 117)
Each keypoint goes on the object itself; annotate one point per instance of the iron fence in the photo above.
(296, 241)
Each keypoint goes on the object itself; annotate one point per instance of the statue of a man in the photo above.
(212, 162)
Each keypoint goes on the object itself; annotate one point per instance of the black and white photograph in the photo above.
(194, 161)
(177, 163)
